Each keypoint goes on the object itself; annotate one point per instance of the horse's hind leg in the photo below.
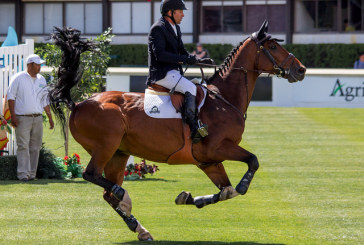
(114, 171)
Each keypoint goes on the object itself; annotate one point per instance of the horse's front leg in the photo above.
(218, 176)
(186, 198)
(231, 151)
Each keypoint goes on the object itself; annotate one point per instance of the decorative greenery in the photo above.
(8, 165)
(47, 168)
(71, 165)
(94, 63)
(139, 170)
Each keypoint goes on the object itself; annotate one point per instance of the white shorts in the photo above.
(171, 79)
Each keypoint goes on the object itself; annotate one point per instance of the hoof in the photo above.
(145, 237)
(184, 198)
(143, 234)
(228, 193)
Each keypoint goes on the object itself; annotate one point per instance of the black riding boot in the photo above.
(198, 130)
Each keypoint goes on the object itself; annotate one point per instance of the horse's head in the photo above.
(275, 59)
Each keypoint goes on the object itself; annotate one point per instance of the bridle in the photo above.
(278, 69)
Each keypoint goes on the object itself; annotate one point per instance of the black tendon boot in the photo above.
(198, 130)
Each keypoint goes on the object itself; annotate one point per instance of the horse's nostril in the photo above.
(302, 70)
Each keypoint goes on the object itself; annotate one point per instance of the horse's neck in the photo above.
(237, 86)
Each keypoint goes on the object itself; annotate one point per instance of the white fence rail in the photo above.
(12, 61)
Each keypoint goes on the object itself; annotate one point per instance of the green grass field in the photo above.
(308, 190)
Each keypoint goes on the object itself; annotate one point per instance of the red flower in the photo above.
(126, 173)
(65, 158)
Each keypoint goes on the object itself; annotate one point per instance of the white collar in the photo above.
(174, 28)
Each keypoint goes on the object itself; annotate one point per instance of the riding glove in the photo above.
(207, 61)
(191, 59)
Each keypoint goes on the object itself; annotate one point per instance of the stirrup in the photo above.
(202, 129)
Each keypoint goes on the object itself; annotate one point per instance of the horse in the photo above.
(124, 129)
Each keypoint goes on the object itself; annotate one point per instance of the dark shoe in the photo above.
(24, 180)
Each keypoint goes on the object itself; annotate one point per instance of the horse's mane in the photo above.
(224, 67)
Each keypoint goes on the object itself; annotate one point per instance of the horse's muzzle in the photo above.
(296, 73)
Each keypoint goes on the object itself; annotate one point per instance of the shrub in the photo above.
(47, 168)
(8, 165)
(311, 55)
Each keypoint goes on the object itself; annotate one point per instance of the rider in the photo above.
(166, 54)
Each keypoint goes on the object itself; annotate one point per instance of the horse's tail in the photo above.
(69, 71)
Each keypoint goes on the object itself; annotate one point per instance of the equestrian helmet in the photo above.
(167, 5)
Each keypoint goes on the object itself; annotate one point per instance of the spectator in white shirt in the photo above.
(27, 100)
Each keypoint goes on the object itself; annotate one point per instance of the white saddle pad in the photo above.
(159, 105)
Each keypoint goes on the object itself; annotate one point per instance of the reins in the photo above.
(218, 95)
(277, 70)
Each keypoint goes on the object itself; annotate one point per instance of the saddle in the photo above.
(184, 154)
(177, 98)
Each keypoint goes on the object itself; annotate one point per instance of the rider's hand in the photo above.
(191, 59)
(207, 61)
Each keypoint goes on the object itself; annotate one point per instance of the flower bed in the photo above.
(71, 165)
(137, 171)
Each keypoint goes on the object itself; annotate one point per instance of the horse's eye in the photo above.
(273, 47)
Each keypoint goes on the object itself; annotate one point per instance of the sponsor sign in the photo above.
(330, 91)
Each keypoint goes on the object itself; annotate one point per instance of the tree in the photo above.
(94, 64)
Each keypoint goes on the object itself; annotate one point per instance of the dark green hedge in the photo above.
(326, 55)
(137, 54)
(47, 169)
(8, 167)
(311, 55)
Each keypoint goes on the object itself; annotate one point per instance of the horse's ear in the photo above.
(263, 30)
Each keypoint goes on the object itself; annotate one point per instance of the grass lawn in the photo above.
(308, 190)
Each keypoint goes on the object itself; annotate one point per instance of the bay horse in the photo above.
(122, 127)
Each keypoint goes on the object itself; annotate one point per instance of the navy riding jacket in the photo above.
(165, 50)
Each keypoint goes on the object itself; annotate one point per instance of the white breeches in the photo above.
(171, 79)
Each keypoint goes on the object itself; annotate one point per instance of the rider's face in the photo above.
(178, 16)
